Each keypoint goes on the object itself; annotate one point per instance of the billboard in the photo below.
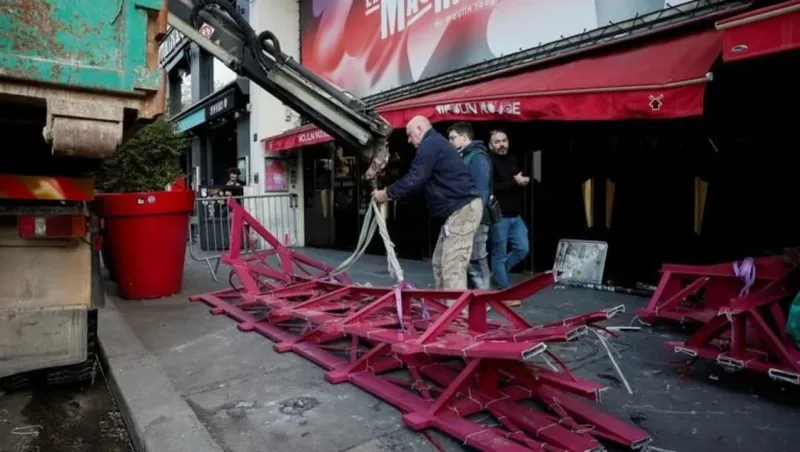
(369, 46)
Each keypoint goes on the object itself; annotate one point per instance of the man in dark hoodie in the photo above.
(479, 164)
(450, 194)
(509, 189)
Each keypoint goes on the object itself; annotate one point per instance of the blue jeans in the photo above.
(509, 229)
(478, 272)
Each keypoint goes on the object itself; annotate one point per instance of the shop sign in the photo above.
(313, 136)
(221, 106)
(499, 108)
(396, 15)
(169, 43)
(392, 43)
(656, 102)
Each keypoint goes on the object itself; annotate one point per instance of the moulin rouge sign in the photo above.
(313, 136)
(396, 15)
(500, 108)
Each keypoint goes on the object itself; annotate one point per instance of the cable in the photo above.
(395, 270)
(365, 238)
(373, 220)
(613, 361)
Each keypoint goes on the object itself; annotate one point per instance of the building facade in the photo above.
(564, 82)
(208, 102)
(227, 117)
(593, 97)
(277, 174)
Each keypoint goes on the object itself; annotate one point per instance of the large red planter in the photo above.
(145, 239)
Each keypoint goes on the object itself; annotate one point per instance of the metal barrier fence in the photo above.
(210, 226)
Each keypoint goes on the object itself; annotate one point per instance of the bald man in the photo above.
(450, 194)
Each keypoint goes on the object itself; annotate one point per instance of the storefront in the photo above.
(749, 190)
(209, 103)
(220, 124)
(615, 134)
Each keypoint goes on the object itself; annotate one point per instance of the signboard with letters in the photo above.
(221, 105)
(369, 46)
(171, 41)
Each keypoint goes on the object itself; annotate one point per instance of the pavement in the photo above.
(190, 381)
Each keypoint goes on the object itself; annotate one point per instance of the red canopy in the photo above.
(302, 136)
(659, 80)
(761, 32)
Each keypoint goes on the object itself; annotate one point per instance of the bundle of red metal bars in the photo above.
(741, 309)
(416, 350)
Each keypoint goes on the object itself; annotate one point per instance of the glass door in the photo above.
(345, 199)
(318, 193)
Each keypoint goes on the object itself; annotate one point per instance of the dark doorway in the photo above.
(222, 139)
(318, 194)
(346, 183)
(331, 184)
(407, 219)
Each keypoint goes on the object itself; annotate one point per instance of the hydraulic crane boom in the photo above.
(217, 27)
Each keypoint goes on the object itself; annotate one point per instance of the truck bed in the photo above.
(92, 68)
(75, 76)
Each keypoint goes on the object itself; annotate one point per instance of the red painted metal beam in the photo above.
(739, 329)
(435, 355)
(695, 293)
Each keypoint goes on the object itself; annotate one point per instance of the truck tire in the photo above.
(76, 374)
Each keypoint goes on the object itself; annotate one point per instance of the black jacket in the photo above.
(507, 192)
(439, 169)
(480, 168)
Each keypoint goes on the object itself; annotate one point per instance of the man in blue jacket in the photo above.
(479, 164)
(450, 193)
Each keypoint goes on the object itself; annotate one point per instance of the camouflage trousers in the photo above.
(454, 246)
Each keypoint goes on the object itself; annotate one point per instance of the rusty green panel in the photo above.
(96, 44)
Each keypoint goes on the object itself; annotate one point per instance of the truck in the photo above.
(76, 78)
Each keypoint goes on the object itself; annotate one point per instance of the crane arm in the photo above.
(220, 29)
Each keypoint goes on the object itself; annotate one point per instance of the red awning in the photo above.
(659, 80)
(302, 136)
(761, 32)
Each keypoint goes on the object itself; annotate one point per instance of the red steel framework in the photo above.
(740, 309)
(434, 355)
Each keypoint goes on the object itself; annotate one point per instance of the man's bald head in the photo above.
(416, 129)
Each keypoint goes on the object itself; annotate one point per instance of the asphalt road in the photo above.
(65, 419)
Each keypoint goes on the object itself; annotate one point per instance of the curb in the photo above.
(156, 415)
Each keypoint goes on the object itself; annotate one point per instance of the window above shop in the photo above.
(222, 75)
(185, 77)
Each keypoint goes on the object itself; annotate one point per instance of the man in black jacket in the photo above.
(450, 193)
(509, 185)
(479, 164)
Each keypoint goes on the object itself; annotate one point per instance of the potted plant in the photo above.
(146, 221)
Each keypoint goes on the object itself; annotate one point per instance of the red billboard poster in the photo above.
(369, 46)
(275, 175)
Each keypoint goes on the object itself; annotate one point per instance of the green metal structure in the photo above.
(76, 76)
(94, 44)
(94, 60)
